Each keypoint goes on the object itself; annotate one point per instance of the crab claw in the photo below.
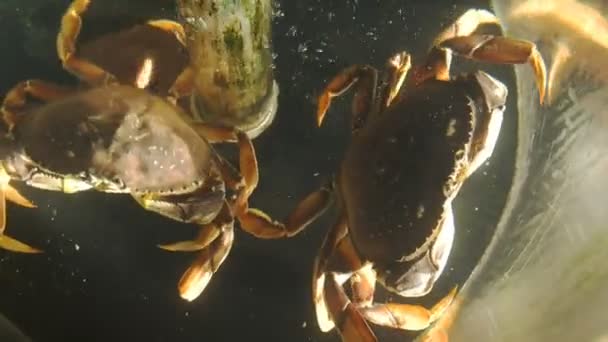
(7, 192)
(197, 276)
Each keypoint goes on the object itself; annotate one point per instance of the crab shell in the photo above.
(403, 169)
(114, 139)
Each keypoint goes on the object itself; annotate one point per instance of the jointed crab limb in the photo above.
(461, 39)
(198, 275)
(351, 325)
(406, 316)
(9, 193)
(501, 50)
(16, 98)
(396, 71)
(208, 233)
(561, 55)
(339, 258)
(255, 221)
(248, 164)
(183, 85)
(337, 261)
(466, 24)
(215, 134)
(337, 232)
(364, 78)
(71, 24)
(172, 27)
(437, 66)
(260, 225)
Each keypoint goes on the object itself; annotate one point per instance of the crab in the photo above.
(411, 150)
(118, 138)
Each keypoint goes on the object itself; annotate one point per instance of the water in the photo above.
(102, 276)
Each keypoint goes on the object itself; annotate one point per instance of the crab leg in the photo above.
(14, 101)
(365, 79)
(397, 68)
(215, 134)
(255, 221)
(71, 24)
(501, 50)
(406, 316)
(333, 236)
(336, 262)
(184, 83)
(260, 225)
(461, 39)
(206, 236)
(561, 55)
(16, 98)
(352, 326)
(209, 260)
(8, 192)
(338, 259)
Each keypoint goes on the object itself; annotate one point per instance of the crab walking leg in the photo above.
(260, 225)
(561, 55)
(351, 325)
(214, 133)
(351, 318)
(439, 331)
(256, 222)
(207, 234)
(248, 164)
(438, 60)
(16, 98)
(461, 39)
(209, 260)
(7, 192)
(336, 263)
(397, 68)
(172, 27)
(71, 24)
(184, 83)
(501, 50)
(466, 24)
(364, 78)
(333, 236)
(13, 102)
(406, 316)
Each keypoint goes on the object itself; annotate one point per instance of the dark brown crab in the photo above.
(410, 152)
(118, 138)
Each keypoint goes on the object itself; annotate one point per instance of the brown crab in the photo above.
(117, 138)
(411, 150)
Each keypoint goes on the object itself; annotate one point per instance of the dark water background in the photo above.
(102, 278)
